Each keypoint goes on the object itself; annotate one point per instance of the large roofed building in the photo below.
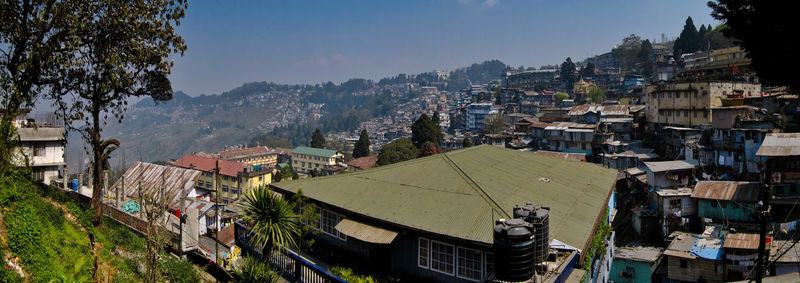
(431, 218)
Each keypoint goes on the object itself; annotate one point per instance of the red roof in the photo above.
(363, 163)
(205, 164)
(251, 151)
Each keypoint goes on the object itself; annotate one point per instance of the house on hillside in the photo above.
(432, 218)
(260, 156)
(670, 174)
(40, 147)
(231, 179)
(696, 257)
(635, 264)
(305, 159)
(726, 202)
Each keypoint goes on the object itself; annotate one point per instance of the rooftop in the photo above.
(562, 155)
(744, 241)
(177, 182)
(206, 164)
(727, 190)
(245, 152)
(780, 144)
(314, 151)
(430, 194)
(41, 134)
(664, 166)
(363, 163)
(638, 253)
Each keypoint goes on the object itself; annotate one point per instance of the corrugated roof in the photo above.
(663, 166)
(744, 241)
(366, 233)
(727, 190)
(780, 144)
(641, 254)
(681, 245)
(314, 151)
(206, 164)
(177, 182)
(41, 134)
(245, 152)
(604, 110)
(460, 193)
(562, 155)
(363, 163)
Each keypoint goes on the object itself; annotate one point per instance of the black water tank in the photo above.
(513, 250)
(539, 216)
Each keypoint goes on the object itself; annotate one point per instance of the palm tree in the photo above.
(271, 218)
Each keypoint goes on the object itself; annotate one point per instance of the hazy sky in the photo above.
(233, 42)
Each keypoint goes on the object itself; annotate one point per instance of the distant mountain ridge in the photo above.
(189, 124)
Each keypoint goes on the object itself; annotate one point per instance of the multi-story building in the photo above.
(41, 147)
(476, 114)
(305, 159)
(527, 80)
(691, 104)
(260, 156)
(233, 179)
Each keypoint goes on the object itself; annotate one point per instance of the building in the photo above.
(363, 163)
(305, 159)
(635, 264)
(410, 220)
(782, 173)
(669, 174)
(260, 156)
(675, 209)
(726, 202)
(41, 147)
(691, 104)
(476, 114)
(528, 80)
(741, 250)
(695, 258)
(232, 180)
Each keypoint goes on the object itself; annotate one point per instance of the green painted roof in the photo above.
(460, 193)
(314, 151)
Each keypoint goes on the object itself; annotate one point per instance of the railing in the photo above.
(288, 263)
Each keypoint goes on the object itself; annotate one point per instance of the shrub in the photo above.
(179, 270)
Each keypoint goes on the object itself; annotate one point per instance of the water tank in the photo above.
(539, 217)
(513, 250)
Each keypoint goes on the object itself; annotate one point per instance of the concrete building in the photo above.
(476, 114)
(305, 159)
(42, 148)
(257, 156)
(691, 104)
(232, 180)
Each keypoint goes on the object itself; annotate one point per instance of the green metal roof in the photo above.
(314, 151)
(460, 193)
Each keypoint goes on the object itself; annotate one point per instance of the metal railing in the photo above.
(288, 263)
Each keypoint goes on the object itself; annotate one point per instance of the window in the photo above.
(313, 221)
(489, 262)
(224, 188)
(442, 257)
(695, 114)
(669, 112)
(675, 203)
(235, 191)
(705, 92)
(342, 236)
(423, 252)
(38, 149)
(685, 113)
(329, 221)
(686, 94)
(669, 95)
(469, 263)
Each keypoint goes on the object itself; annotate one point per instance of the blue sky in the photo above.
(233, 42)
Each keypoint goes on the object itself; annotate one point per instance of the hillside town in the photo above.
(654, 162)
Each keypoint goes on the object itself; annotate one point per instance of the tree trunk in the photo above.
(97, 166)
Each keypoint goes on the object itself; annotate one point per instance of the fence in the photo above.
(289, 263)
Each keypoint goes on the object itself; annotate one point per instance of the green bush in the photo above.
(179, 270)
(348, 275)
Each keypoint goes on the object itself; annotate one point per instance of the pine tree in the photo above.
(317, 140)
(687, 41)
(423, 130)
(361, 147)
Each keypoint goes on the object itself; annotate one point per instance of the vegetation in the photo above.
(361, 148)
(568, 73)
(466, 142)
(598, 248)
(252, 270)
(688, 41)
(425, 130)
(317, 140)
(271, 218)
(597, 95)
(286, 173)
(399, 150)
(495, 124)
(761, 28)
(427, 149)
(50, 233)
(634, 54)
(561, 96)
(348, 275)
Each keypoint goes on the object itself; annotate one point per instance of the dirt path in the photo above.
(105, 267)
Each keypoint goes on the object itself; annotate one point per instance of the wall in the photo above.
(726, 210)
(302, 163)
(641, 271)
(689, 104)
(710, 271)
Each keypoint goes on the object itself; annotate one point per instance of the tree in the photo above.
(568, 73)
(561, 96)
(285, 173)
(436, 118)
(701, 36)
(399, 150)
(428, 148)
(597, 95)
(495, 124)
(272, 220)
(627, 51)
(124, 51)
(423, 129)
(687, 40)
(588, 70)
(317, 140)
(645, 57)
(762, 29)
(466, 142)
(36, 46)
(361, 147)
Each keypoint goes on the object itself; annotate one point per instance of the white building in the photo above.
(476, 115)
(41, 148)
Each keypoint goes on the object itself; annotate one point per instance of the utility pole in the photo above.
(764, 215)
(216, 215)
